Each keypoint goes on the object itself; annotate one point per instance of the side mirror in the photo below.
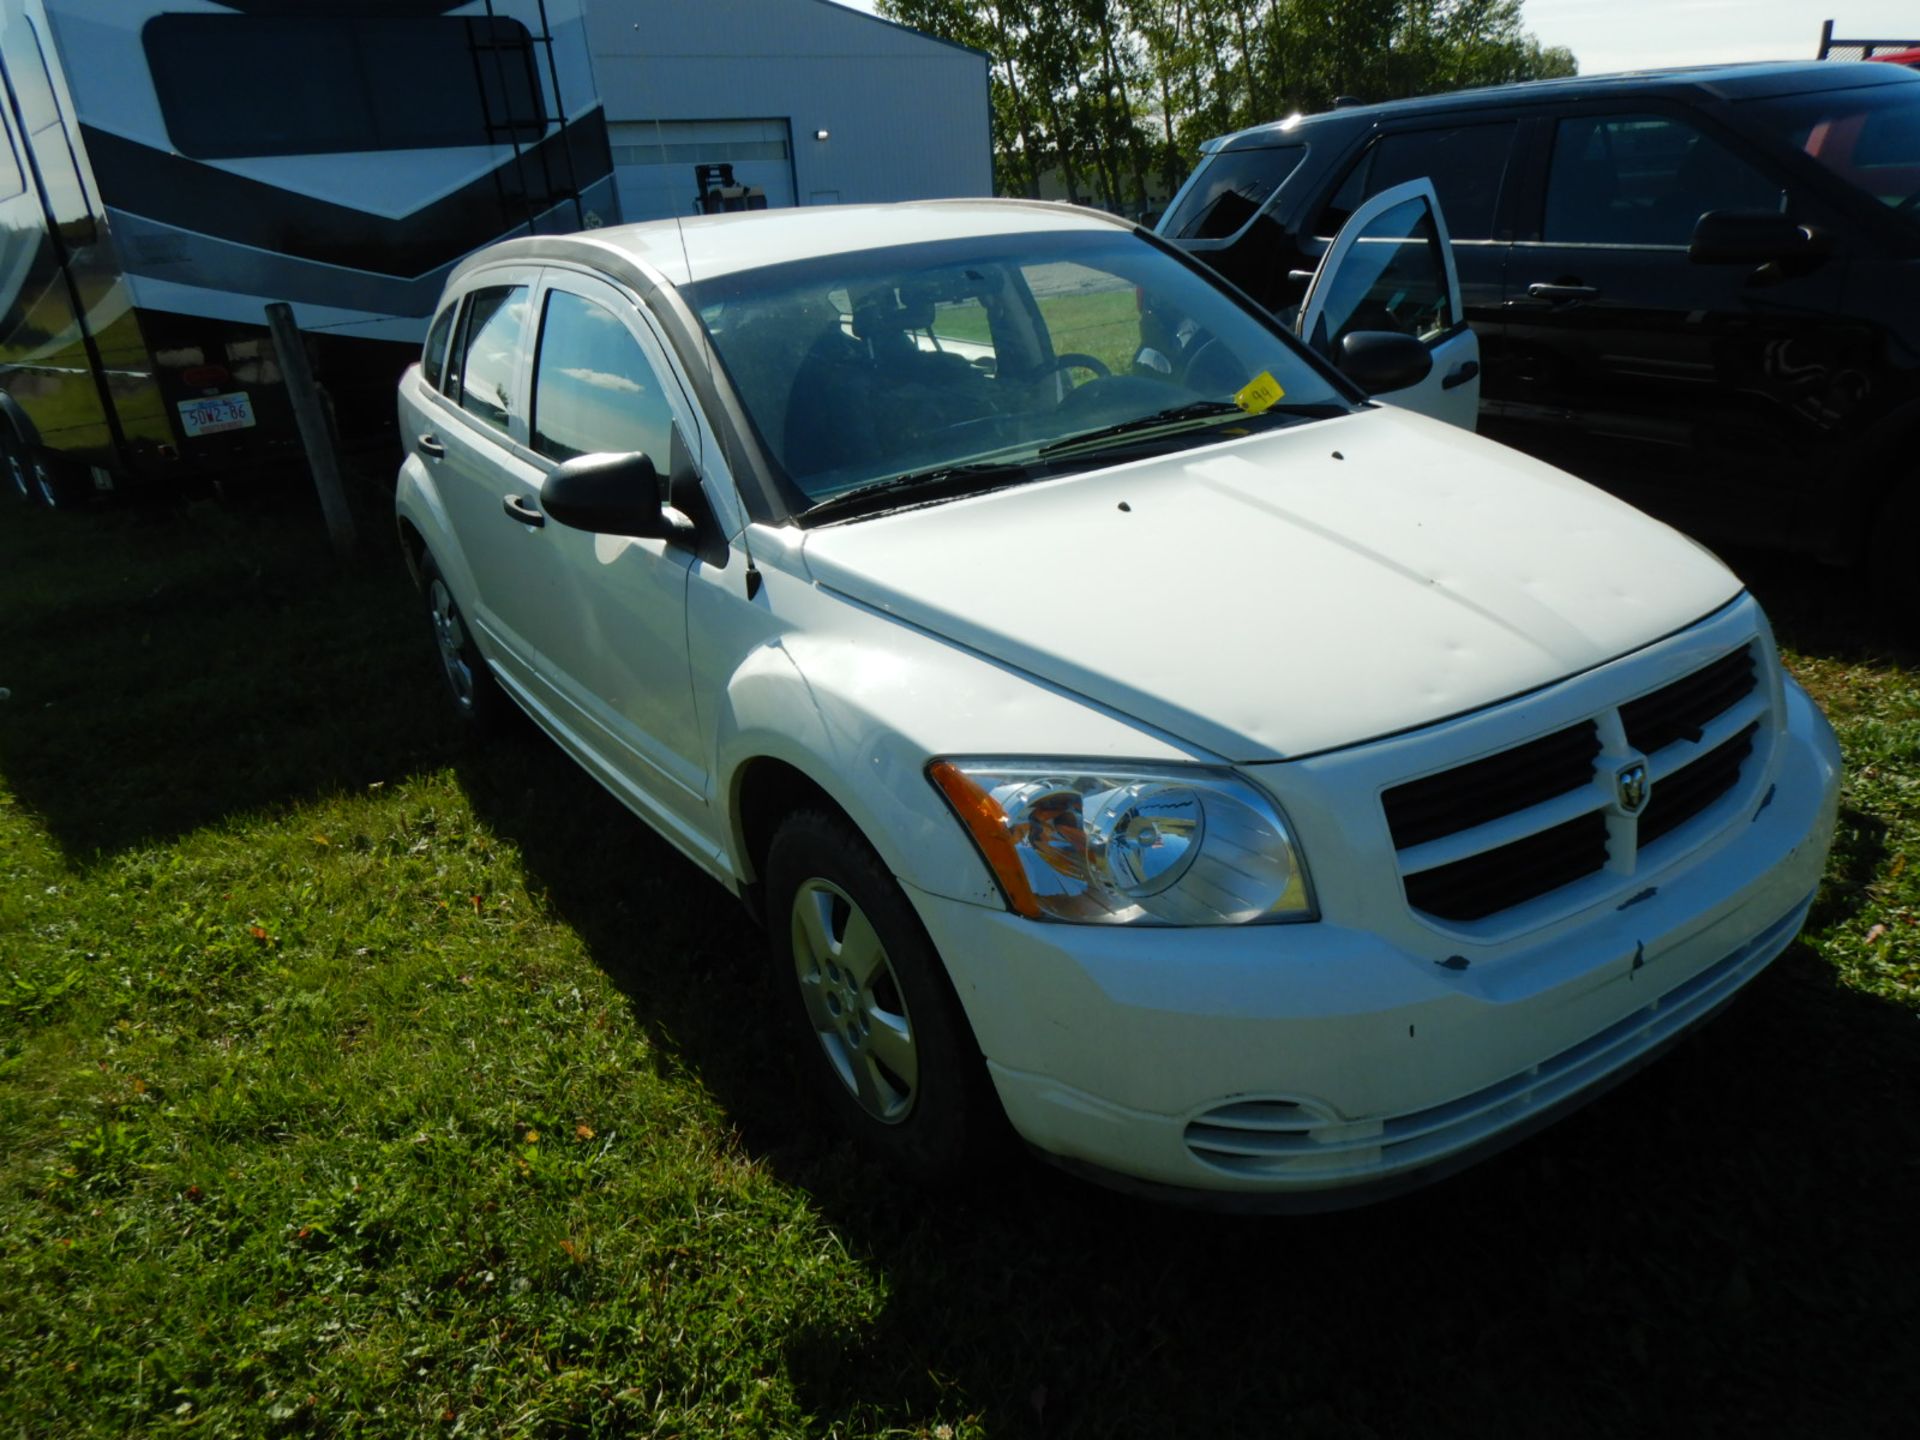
(611, 495)
(1752, 237)
(1379, 361)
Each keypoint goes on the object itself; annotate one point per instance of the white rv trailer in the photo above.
(170, 167)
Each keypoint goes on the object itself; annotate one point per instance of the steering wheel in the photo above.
(1073, 360)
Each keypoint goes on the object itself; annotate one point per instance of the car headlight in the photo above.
(1130, 844)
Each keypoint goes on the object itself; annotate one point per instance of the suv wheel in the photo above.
(871, 1004)
(51, 483)
(14, 461)
(475, 693)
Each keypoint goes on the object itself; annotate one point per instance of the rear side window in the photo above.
(1644, 180)
(1230, 191)
(594, 390)
(490, 353)
(1466, 163)
(236, 85)
(433, 359)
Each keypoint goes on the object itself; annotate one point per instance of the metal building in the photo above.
(809, 102)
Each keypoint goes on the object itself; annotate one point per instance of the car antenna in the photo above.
(706, 344)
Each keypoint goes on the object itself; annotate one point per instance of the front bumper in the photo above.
(1299, 1066)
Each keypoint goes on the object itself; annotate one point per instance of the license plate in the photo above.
(211, 414)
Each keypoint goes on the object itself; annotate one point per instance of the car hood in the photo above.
(1291, 592)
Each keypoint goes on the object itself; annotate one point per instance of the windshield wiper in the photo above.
(1197, 410)
(943, 482)
(1170, 419)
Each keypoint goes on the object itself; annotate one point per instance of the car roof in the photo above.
(704, 246)
(1716, 82)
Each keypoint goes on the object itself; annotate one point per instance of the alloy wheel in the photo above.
(854, 1000)
(450, 635)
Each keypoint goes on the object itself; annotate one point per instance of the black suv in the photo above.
(1700, 288)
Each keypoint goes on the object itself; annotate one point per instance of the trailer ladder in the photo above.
(546, 173)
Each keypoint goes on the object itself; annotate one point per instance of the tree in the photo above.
(1102, 94)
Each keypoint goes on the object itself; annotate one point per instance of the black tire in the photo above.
(947, 1127)
(1891, 566)
(476, 696)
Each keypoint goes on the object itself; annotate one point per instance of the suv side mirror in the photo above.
(1752, 237)
(611, 495)
(1379, 361)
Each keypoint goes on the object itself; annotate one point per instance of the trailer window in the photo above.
(250, 85)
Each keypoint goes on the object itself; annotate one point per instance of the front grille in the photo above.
(1483, 790)
(1497, 832)
(1512, 874)
(1682, 710)
(1685, 793)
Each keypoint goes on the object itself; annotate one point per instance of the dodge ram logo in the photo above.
(1630, 788)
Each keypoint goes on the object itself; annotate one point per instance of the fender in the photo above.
(771, 711)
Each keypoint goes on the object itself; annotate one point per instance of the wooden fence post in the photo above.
(314, 434)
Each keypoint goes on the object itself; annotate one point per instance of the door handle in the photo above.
(517, 507)
(1460, 374)
(1541, 290)
(430, 445)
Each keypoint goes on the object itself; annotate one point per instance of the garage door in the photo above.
(653, 163)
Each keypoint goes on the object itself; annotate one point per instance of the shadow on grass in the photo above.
(1721, 1244)
(1826, 612)
(174, 665)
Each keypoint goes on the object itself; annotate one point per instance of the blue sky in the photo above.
(1631, 34)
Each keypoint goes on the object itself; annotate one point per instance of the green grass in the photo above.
(1104, 324)
(352, 1082)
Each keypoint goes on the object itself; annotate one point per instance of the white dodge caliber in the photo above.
(1120, 723)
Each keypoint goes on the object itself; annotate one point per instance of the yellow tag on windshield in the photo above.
(1263, 392)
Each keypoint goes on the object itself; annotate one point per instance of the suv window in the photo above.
(1465, 162)
(1644, 180)
(1230, 191)
(496, 321)
(594, 390)
(433, 357)
(1869, 137)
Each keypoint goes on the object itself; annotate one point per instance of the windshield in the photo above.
(1011, 355)
(1869, 137)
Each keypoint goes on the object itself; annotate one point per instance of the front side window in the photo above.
(1466, 164)
(1869, 137)
(490, 357)
(1230, 191)
(594, 390)
(255, 84)
(1644, 180)
(433, 357)
(1394, 278)
(1007, 356)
